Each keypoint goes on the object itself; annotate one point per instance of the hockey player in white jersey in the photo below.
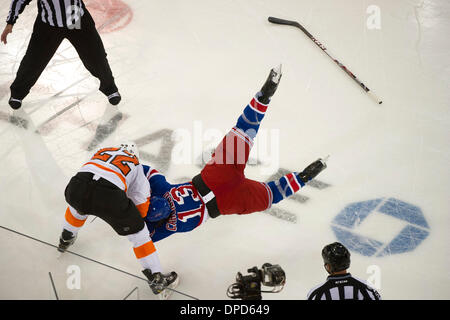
(113, 187)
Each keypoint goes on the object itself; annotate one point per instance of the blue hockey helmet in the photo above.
(159, 209)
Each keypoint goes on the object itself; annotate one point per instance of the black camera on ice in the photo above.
(249, 287)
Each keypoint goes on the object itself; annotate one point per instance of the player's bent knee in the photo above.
(139, 238)
(132, 226)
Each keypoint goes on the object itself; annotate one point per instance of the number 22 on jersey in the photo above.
(120, 161)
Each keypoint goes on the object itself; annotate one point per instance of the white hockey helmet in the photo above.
(130, 147)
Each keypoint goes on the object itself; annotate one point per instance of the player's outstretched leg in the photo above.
(254, 196)
(255, 111)
(235, 147)
(225, 170)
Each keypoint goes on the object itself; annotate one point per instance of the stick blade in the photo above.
(374, 97)
(283, 21)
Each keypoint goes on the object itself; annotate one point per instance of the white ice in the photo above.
(181, 64)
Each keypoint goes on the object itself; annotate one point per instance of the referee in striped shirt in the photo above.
(58, 20)
(340, 285)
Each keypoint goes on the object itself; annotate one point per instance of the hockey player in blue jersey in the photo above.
(174, 207)
(222, 188)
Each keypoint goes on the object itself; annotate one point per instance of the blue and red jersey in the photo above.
(188, 209)
(235, 195)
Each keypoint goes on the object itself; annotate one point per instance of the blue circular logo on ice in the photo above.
(380, 227)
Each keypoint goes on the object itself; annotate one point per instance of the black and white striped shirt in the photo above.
(57, 13)
(343, 287)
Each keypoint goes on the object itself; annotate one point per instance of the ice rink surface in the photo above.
(192, 66)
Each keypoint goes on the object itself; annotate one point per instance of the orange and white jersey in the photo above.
(124, 170)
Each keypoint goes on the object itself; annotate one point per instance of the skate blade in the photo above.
(61, 249)
(167, 293)
(60, 253)
(277, 76)
(324, 161)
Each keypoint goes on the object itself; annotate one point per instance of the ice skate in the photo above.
(161, 284)
(114, 98)
(271, 85)
(313, 170)
(167, 292)
(15, 103)
(66, 240)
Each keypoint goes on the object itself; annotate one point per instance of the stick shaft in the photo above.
(324, 49)
(53, 285)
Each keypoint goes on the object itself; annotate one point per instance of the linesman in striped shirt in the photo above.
(58, 20)
(340, 284)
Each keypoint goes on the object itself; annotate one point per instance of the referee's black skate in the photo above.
(15, 103)
(271, 85)
(114, 98)
(66, 240)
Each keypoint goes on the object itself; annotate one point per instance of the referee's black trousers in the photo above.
(44, 42)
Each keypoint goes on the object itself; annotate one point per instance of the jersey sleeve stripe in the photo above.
(154, 172)
(14, 11)
(151, 173)
(143, 208)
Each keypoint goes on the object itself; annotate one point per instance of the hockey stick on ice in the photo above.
(324, 49)
(53, 285)
(92, 260)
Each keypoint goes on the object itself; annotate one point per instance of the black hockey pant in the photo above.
(105, 200)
